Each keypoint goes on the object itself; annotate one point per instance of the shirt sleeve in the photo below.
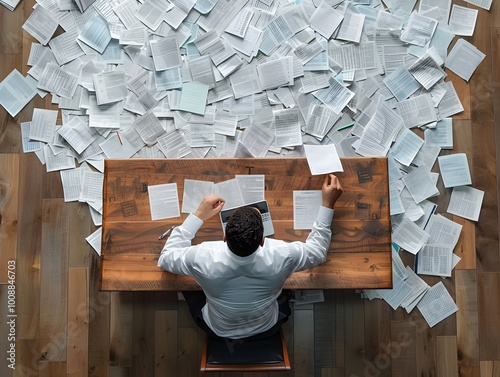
(313, 251)
(177, 249)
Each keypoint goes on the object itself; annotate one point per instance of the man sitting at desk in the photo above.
(242, 276)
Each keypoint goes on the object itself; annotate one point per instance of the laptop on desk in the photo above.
(262, 206)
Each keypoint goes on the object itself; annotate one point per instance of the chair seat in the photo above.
(265, 354)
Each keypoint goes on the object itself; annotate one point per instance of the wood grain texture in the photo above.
(329, 335)
(489, 315)
(467, 318)
(54, 280)
(29, 245)
(359, 254)
(77, 362)
(303, 346)
(447, 354)
(9, 200)
(354, 348)
(166, 343)
(490, 368)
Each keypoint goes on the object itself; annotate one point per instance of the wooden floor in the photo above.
(66, 326)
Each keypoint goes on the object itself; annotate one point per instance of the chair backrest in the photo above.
(268, 354)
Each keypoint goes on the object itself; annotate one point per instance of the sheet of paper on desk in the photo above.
(163, 201)
(193, 194)
(306, 205)
(230, 191)
(323, 159)
(252, 187)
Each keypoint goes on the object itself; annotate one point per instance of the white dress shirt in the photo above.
(242, 291)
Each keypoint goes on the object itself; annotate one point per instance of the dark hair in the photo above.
(244, 231)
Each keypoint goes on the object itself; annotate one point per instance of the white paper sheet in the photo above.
(323, 159)
(163, 201)
(306, 205)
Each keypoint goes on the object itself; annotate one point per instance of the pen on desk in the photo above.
(346, 126)
(166, 233)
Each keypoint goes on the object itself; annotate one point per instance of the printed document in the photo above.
(435, 259)
(464, 58)
(193, 194)
(455, 170)
(466, 202)
(323, 159)
(15, 92)
(437, 304)
(163, 201)
(306, 205)
(409, 236)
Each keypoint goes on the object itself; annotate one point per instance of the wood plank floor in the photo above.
(66, 326)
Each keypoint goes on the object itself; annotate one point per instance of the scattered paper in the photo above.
(466, 202)
(94, 240)
(455, 170)
(437, 304)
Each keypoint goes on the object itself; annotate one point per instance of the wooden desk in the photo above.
(360, 252)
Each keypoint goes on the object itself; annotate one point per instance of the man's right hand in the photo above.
(331, 191)
(210, 206)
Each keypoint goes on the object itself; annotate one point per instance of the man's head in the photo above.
(244, 231)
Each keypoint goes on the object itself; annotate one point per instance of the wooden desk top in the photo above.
(360, 252)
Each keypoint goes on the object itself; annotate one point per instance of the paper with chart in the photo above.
(15, 92)
(435, 259)
(437, 304)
